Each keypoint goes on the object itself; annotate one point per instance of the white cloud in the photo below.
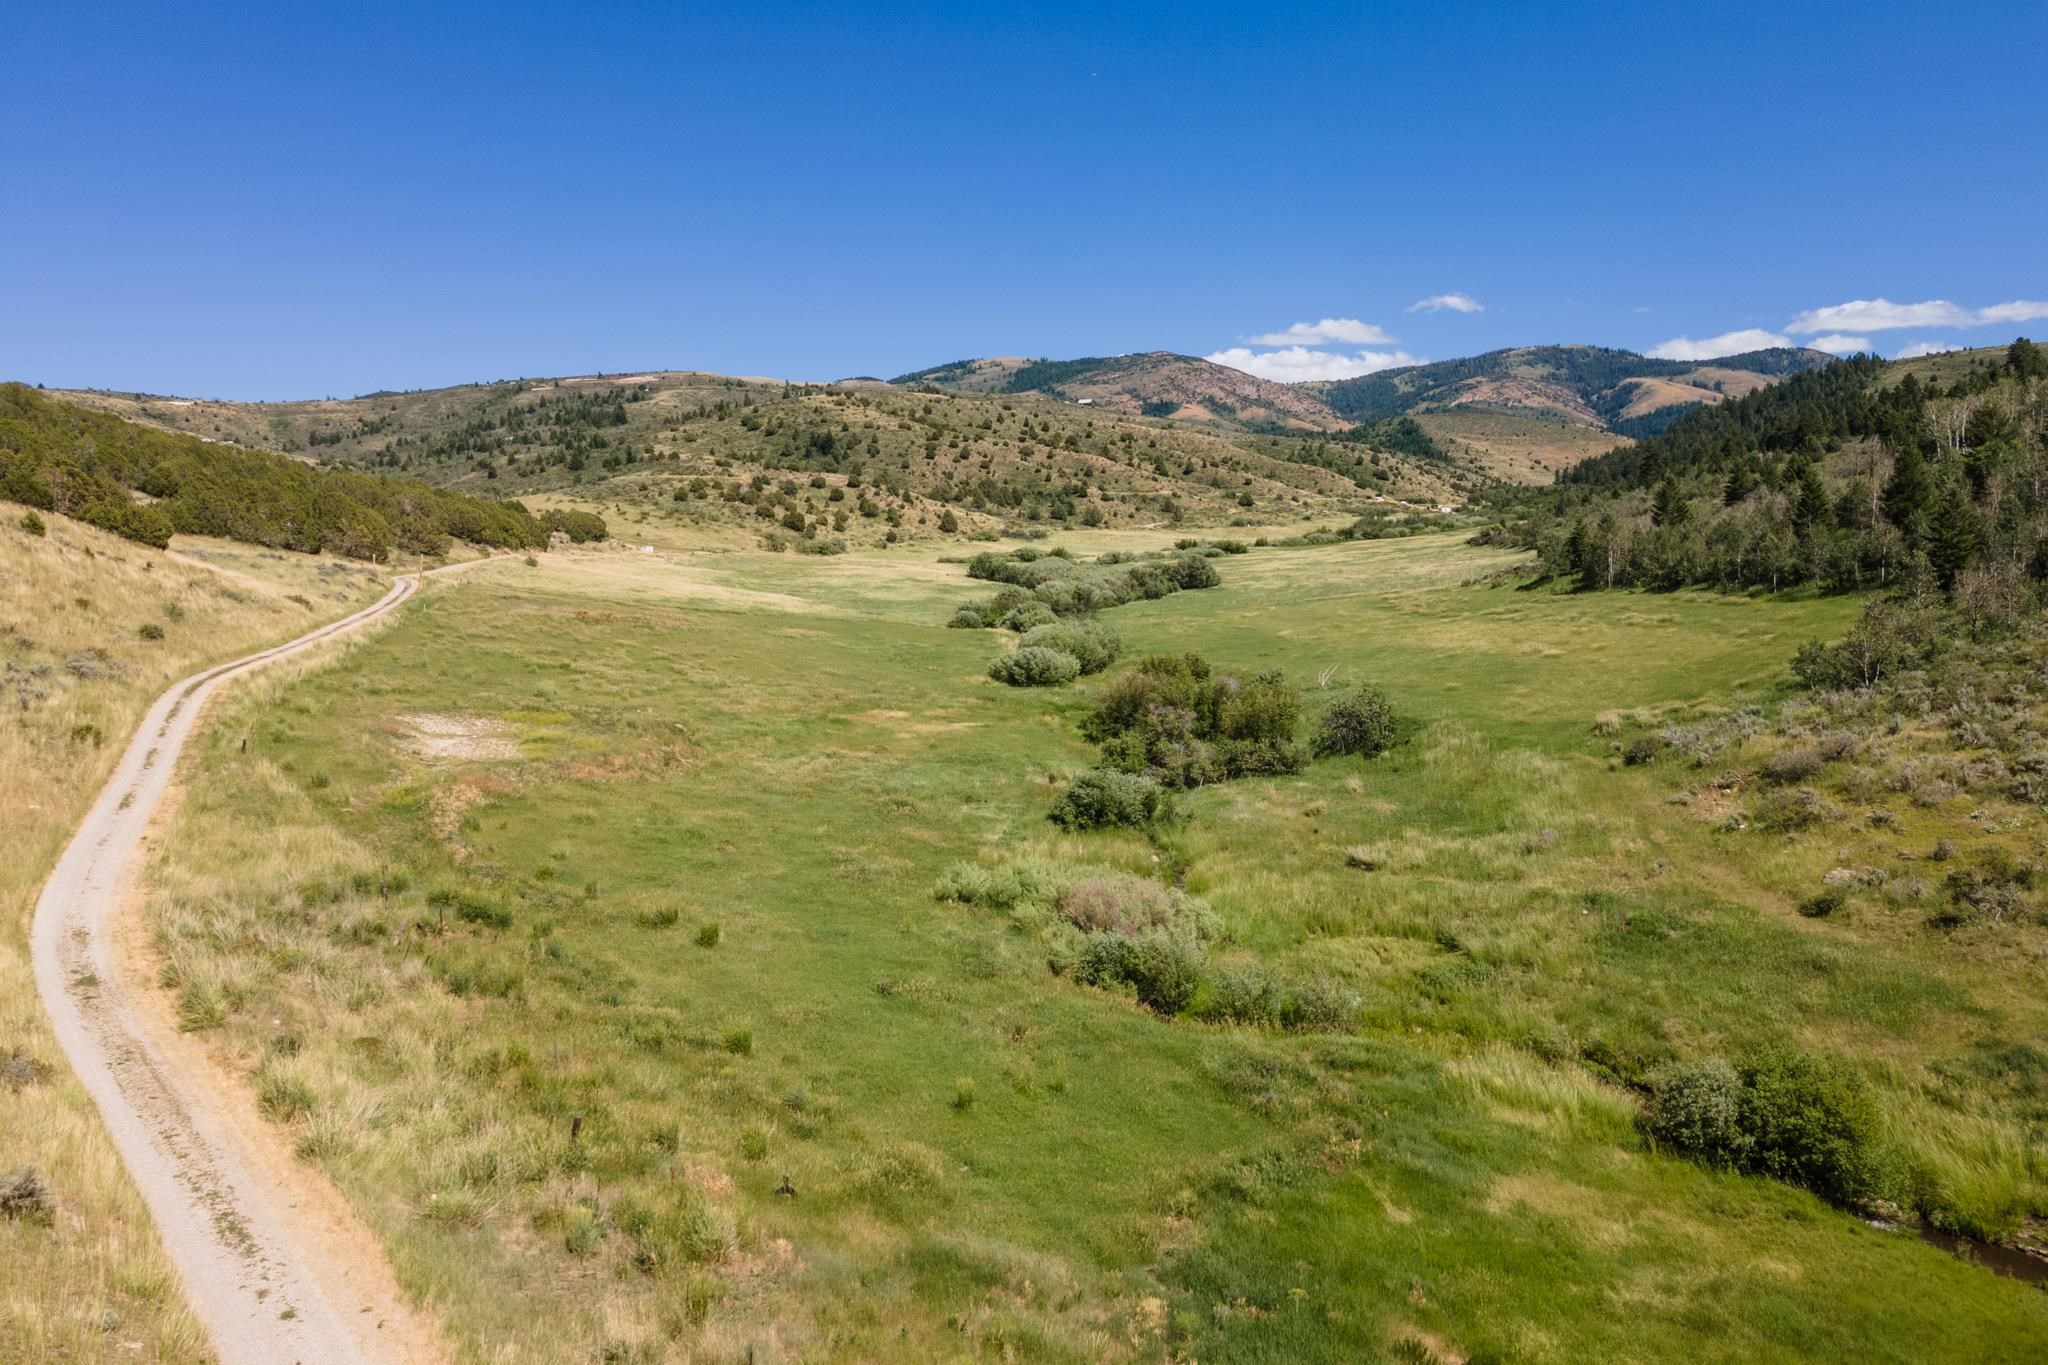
(1920, 348)
(1457, 303)
(2019, 310)
(1708, 348)
(1878, 315)
(1298, 364)
(1836, 344)
(1329, 329)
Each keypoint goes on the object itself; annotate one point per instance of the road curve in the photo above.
(265, 1288)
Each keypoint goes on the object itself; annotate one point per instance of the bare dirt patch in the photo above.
(454, 734)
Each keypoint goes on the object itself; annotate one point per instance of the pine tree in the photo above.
(1952, 536)
(1810, 507)
(1907, 494)
(1741, 483)
(1669, 508)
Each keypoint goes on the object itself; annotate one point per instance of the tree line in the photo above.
(146, 484)
(1831, 477)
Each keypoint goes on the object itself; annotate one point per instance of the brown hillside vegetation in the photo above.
(1517, 447)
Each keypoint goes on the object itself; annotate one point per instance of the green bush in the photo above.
(970, 616)
(1103, 798)
(1250, 995)
(1030, 614)
(1035, 666)
(33, 524)
(1696, 1108)
(1799, 1118)
(1361, 724)
(1093, 645)
(1176, 720)
(1163, 968)
(1812, 1122)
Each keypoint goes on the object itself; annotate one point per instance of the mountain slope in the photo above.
(1592, 385)
(1153, 384)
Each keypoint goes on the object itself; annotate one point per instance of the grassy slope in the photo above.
(61, 595)
(794, 749)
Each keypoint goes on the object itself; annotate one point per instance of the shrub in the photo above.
(1640, 750)
(1013, 886)
(1887, 641)
(970, 616)
(1103, 798)
(150, 631)
(1810, 1121)
(1824, 903)
(1696, 1108)
(1028, 615)
(709, 934)
(1093, 645)
(1128, 904)
(26, 1196)
(33, 524)
(1161, 967)
(1788, 767)
(1251, 996)
(1993, 886)
(1791, 811)
(1036, 666)
(18, 1070)
(1362, 724)
(1796, 1117)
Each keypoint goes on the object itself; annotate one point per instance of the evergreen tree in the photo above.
(1741, 483)
(1810, 507)
(2026, 360)
(1910, 489)
(1669, 507)
(1952, 536)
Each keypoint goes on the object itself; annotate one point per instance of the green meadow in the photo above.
(588, 938)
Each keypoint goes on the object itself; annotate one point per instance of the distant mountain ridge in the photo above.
(1596, 387)
(1149, 384)
(1621, 391)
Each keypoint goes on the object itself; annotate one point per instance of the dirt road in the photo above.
(272, 1260)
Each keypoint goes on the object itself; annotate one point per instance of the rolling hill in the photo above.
(1152, 384)
(859, 461)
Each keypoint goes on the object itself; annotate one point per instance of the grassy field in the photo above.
(92, 628)
(590, 942)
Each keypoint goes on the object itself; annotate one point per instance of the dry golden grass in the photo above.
(1519, 447)
(76, 673)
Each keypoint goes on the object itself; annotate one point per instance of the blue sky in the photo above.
(299, 200)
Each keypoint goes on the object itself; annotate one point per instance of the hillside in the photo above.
(1517, 415)
(144, 483)
(1859, 475)
(1619, 391)
(1154, 384)
(859, 462)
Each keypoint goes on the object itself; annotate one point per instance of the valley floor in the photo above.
(588, 939)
